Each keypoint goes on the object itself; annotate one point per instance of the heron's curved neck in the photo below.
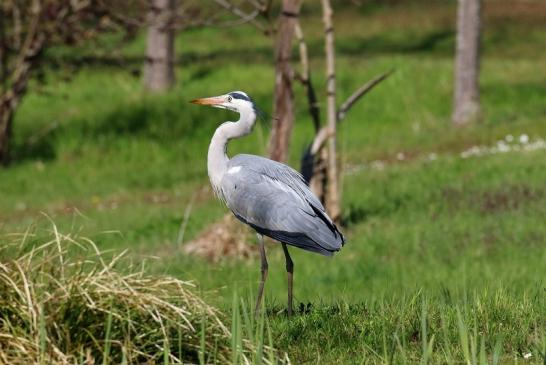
(217, 159)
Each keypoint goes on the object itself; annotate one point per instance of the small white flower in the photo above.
(509, 138)
(523, 139)
(527, 355)
(400, 156)
(502, 147)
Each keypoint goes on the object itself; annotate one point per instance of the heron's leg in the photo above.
(290, 274)
(264, 268)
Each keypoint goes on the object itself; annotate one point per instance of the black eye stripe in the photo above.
(240, 96)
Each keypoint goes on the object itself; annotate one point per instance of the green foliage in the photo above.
(445, 256)
(454, 327)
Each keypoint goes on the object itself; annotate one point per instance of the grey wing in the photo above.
(274, 200)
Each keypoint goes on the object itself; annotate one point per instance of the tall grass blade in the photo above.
(497, 351)
(42, 334)
(202, 348)
(463, 337)
(107, 343)
(166, 351)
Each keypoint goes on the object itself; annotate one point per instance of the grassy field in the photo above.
(445, 260)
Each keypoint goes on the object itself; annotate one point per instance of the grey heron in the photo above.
(269, 196)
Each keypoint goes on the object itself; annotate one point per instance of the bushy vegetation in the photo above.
(446, 249)
(64, 302)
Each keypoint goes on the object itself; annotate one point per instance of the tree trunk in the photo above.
(283, 107)
(5, 131)
(467, 62)
(15, 88)
(159, 63)
(4, 122)
(332, 192)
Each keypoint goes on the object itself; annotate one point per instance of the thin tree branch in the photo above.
(243, 20)
(320, 138)
(235, 10)
(305, 78)
(360, 92)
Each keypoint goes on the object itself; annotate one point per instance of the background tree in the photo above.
(319, 163)
(27, 27)
(332, 197)
(165, 18)
(283, 104)
(159, 62)
(467, 62)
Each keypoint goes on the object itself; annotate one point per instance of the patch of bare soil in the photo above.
(227, 238)
(511, 197)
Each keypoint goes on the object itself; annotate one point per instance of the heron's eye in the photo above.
(229, 99)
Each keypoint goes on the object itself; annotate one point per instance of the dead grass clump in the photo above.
(62, 301)
(227, 238)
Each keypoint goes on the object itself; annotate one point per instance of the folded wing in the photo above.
(274, 200)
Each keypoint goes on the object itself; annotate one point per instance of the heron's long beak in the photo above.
(216, 100)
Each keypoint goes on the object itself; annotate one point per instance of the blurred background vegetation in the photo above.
(452, 214)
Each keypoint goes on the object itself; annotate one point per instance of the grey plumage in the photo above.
(274, 200)
(267, 195)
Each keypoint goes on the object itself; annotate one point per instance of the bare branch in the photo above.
(305, 78)
(360, 92)
(235, 10)
(246, 19)
(321, 138)
(332, 198)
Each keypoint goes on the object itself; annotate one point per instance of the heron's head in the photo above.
(236, 101)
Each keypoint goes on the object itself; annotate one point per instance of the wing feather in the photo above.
(274, 199)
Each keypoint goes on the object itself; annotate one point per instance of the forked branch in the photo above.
(244, 18)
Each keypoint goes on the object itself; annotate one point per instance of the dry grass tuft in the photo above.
(64, 302)
(227, 238)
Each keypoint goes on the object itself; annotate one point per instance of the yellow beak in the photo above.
(216, 100)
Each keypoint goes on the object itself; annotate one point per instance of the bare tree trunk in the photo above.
(5, 131)
(283, 107)
(467, 62)
(332, 193)
(159, 64)
(9, 101)
(15, 88)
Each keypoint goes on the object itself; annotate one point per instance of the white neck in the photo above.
(217, 159)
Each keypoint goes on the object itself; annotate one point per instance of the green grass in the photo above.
(63, 301)
(452, 247)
